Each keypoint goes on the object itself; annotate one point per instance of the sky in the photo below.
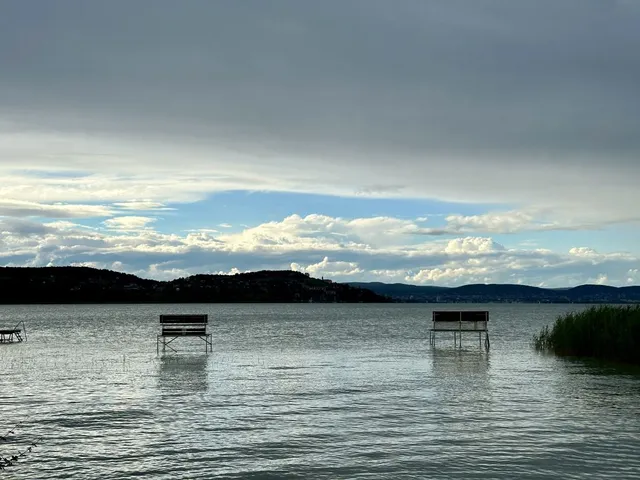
(433, 143)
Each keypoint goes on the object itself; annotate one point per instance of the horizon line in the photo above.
(322, 278)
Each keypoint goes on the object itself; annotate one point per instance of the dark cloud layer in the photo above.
(513, 103)
(501, 77)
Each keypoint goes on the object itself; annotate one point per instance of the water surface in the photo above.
(308, 391)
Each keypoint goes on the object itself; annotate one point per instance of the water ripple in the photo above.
(310, 391)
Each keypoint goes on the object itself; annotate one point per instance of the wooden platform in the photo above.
(458, 321)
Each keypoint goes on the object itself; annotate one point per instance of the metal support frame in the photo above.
(208, 347)
(14, 334)
(457, 337)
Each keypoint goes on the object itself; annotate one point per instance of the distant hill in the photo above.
(398, 289)
(504, 293)
(90, 285)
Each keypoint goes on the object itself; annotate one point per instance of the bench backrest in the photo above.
(184, 319)
(184, 324)
(460, 320)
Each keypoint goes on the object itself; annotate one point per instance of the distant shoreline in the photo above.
(85, 285)
(250, 302)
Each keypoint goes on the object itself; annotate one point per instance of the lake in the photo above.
(308, 391)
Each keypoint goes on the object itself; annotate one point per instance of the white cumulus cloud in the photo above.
(472, 245)
(128, 223)
(357, 249)
(329, 269)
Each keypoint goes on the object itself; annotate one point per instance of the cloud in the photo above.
(602, 279)
(21, 208)
(128, 223)
(317, 231)
(364, 251)
(202, 230)
(329, 268)
(508, 222)
(506, 103)
(510, 104)
(448, 276)
(472, 245)
(20, 227)
(515, 221)
(585, 252)
(146, 205)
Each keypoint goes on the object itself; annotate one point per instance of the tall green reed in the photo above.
(605, 332)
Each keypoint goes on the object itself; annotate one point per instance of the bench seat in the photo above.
(169, 332)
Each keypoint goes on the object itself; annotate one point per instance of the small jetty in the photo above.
(458, 322)
(13, 335)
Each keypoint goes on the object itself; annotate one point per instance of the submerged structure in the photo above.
(15, 334)
(177, 326)
(459, 321)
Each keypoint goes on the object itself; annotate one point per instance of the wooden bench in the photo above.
(458, 321)
(176, 326)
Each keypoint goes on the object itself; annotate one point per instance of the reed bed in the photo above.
(604, 332)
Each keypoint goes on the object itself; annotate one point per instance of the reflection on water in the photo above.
(463, 379)
(457, 361)
(594, 386)
(183, 373)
